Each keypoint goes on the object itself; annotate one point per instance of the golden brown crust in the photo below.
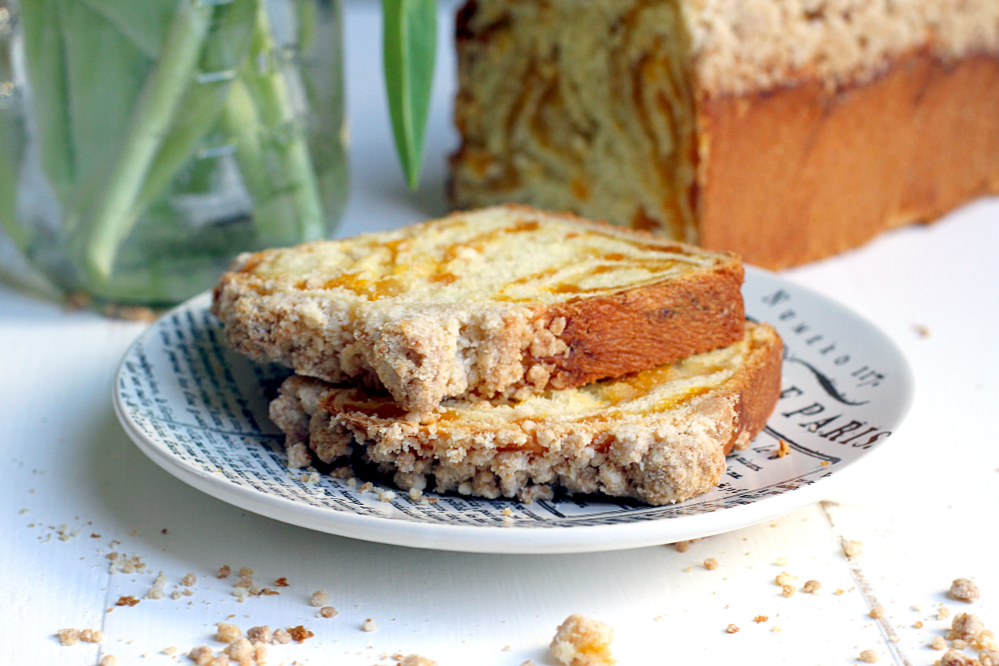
(801, 173)
(642, 328)
(758, 389)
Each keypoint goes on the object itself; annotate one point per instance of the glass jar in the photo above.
(144, 143)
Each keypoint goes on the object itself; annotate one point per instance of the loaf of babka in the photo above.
(783, 130)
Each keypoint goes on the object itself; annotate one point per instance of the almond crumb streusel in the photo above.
(91, 635)
(731, 629)
(68, 637)
(812, 586)
(109, 660)
(241, 650)
(781, 561)
(787, 590)
(223, 571)
(682, 546)
(877, 612)
(189, 580)
(959, 644)
(299, 633)
(964, 589)
(170, 651)
(282, 636)
(989, 657)
(711, 564)
(852, 548)
(580, 641)
(943, 613)
(955, 658)
(784, 578)
(918, 624)
(281, 582)
(261, 634)
(227, 633)
(201, 655)
(938, 643)
(369, 625)
(415, 660)
(327, 612)
(783, 449)
(320, 598)
(870, 656)
(759, 619)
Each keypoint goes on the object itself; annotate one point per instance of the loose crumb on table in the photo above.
(581, 641)
(870, 656)
(227, 633)
(416, 660)
(784, 578)
(964, 589)
(299, 633)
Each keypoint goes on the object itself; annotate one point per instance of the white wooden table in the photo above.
(926, 511)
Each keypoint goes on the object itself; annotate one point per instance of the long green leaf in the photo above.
(198, 112)
(112, 217)
(45, 55)
(410, 45)
(283, 152)
(105, 74)
(143, 23)
(11, 154)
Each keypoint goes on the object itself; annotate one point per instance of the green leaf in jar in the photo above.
(199, 111)
(109, 221)
(273, 157)
(410, 45)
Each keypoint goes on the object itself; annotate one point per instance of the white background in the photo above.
(926, 511)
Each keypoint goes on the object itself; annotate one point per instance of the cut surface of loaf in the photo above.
(498, 302)
(660, 435)
(782, 130)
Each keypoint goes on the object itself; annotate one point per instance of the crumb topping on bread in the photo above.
(660, 435)
(501, 302)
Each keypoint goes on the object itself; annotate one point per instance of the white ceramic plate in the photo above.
(200, 412)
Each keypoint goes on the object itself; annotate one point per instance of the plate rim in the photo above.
(504, 539)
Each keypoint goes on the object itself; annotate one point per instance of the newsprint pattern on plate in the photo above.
(202, 409)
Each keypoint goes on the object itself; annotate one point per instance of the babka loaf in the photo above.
(660, 435)
(501, 302)
(783, 130)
